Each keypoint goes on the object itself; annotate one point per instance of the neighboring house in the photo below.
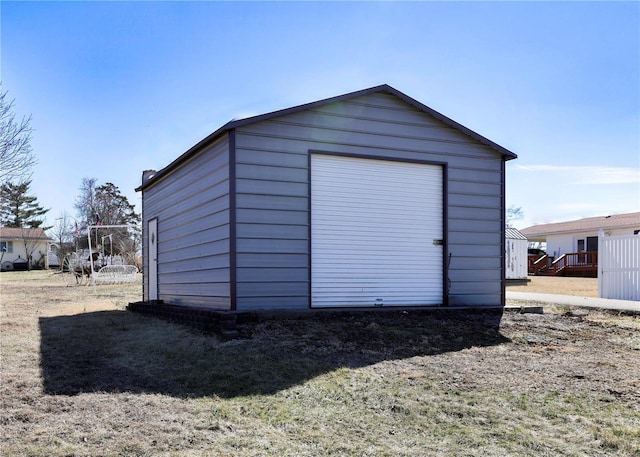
(581, 235)
(574, 244)
(21, 245)
(515, 255)
(368, 199)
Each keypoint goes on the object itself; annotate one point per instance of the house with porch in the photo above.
(572, 246)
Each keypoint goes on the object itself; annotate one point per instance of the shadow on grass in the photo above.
(120, 351)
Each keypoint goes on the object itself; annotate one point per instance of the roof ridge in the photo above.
(229, 126)
(620, 220)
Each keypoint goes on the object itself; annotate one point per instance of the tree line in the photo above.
(99, 205)
(96, 204)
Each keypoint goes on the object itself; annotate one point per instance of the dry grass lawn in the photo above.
(80, 376)
(582, 287)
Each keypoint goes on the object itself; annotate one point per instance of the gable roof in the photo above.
(615, 221)
(508, 155)
(17, 233)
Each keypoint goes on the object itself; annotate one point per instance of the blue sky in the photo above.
(118, 87)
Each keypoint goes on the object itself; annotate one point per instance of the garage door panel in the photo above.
(373, 226)
(370, 300)
(384, 195)
(358, 220)
(367, 239)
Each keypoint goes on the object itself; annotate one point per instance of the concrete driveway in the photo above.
(514, 298)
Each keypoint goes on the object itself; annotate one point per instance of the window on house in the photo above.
(580, 245)
(6, 246)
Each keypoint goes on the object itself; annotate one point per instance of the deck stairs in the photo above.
(581, 264)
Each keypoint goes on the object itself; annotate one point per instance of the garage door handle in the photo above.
(438, 242)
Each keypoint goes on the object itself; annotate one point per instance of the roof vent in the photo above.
(147, 175)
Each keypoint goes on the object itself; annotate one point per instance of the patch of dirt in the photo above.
(591, 352)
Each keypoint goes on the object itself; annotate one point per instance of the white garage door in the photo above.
(376, 232)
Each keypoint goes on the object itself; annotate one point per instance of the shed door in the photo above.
(376, 232)
(152, 259)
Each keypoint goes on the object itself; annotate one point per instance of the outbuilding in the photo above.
(363, 200)
(515, 256)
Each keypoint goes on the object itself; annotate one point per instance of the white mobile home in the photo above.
(368, 199)
(581, 235)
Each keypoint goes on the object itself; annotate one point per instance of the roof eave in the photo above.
(184, 157)
(581, 230)
(507, 154)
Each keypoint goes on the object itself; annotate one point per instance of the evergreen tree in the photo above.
(112, 207)
(18, 209)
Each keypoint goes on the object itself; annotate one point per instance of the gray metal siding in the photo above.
(193, 212)
(272, 228)
(273, 194)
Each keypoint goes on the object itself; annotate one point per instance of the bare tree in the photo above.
(16, 156)
(65, 233)
(514, 213)
(85, 201)
(31, 238)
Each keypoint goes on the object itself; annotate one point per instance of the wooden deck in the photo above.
(580, 264)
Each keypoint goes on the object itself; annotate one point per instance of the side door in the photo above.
(152, 258)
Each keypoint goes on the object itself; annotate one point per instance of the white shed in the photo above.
(515, 255)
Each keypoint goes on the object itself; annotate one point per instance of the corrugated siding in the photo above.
(515, 258)
(272, 229)
(192, 208)
(272, 159)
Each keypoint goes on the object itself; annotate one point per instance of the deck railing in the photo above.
(573, 262)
